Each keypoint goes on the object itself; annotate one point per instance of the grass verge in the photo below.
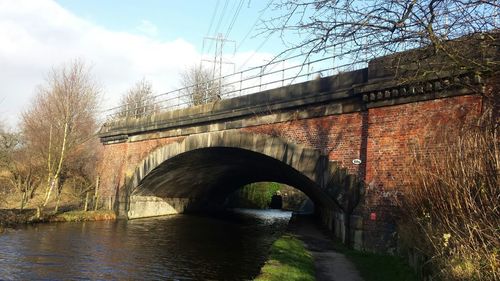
(378, 267)
(288, 260)
(84, 216)
(16, 217)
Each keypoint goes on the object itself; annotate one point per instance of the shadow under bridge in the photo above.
(199, 173)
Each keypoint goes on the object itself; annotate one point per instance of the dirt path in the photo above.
(329, 264)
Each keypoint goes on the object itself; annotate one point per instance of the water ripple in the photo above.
(173, 248)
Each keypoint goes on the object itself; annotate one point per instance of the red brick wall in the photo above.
(382, 137)
(117, 159)
(389, 131)
(335, 135)
(111, 167)
(392, 132)
(138, 151)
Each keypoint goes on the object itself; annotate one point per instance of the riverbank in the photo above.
(329, 264)
(100, 215)
(14, 217)
(331, 259)
(288, 260)
(10, 218)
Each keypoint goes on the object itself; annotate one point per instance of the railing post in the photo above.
(308, 69)
(178, 98)
(282, 73)
(241, 82)
(260, 79)
(333, 61)
(186, 96)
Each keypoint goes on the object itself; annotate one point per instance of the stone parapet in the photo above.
(340, 94)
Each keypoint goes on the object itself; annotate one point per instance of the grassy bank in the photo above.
(378, 267)
(84, 216)
(15, 217)
(288, 260)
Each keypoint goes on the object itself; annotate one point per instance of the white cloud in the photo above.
(147, 28)
(40, 35)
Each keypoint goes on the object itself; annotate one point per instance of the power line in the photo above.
(254, 24)
(218, 53)
(255, 52)
(290, 52)
(219, 23)
(220, 40)
(214, 13)
(213, 17)
(236, 14)
(221, 16)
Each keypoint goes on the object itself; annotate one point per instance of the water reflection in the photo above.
(226, 247)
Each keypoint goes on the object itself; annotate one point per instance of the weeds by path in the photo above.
(288, 260)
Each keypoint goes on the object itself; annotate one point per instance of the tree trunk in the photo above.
(23, 198)
(55, 178)
(86, 201)
(48, 192)
(50, 181)
(96, 194)
(56, 209)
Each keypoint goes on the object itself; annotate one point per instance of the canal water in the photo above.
(232, 246)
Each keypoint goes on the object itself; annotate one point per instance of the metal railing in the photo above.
(269, 76)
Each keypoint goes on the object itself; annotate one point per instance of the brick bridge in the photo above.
(305, 135)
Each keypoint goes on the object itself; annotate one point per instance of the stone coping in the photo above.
(358, 90)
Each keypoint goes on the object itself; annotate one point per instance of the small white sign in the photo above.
(356, 161)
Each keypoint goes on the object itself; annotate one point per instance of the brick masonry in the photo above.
(119, 160)
(382, 137)
(371, 114)
(390, 133)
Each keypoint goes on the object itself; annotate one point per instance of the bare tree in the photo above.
(356, 31)
(60, 119)
(19, 167)
(8, 142)
(138, 101)
(200, 86)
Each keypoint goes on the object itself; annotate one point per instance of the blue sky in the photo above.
(123, 41)
(189, 20)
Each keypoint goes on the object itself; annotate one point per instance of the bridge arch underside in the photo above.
(200, 179)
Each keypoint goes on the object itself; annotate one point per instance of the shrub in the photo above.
(255, 195)
(451, 209)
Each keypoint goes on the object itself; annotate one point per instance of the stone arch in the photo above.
(310, 163)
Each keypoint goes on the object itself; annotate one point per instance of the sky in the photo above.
(122, 41)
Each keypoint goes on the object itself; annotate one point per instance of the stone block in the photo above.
(149, 206)
(358, 240)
